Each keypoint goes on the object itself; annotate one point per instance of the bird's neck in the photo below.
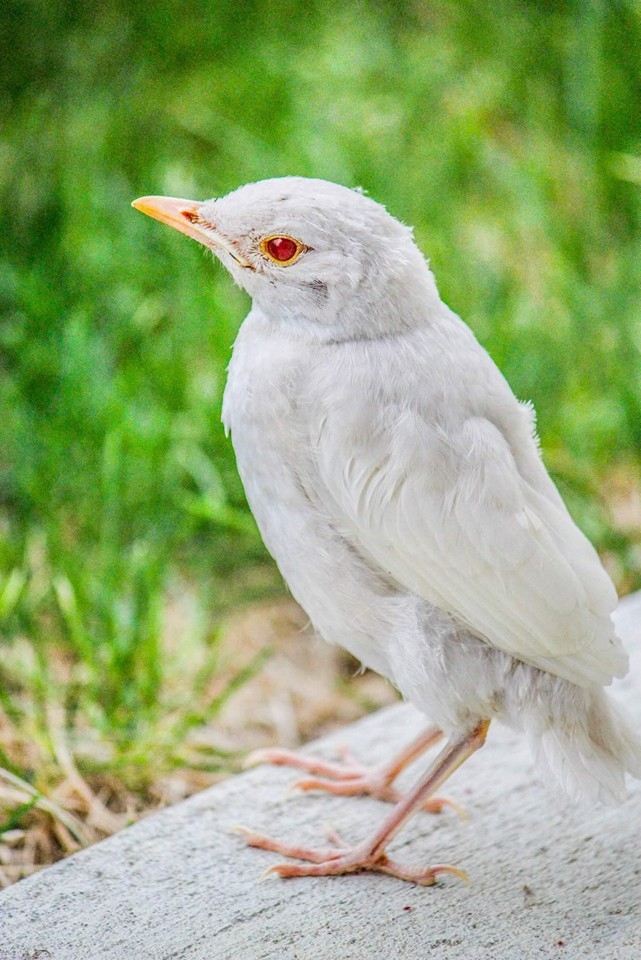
(379, 306)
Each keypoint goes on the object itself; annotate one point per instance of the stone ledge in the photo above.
(547, 880)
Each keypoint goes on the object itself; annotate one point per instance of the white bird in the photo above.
(398, 484)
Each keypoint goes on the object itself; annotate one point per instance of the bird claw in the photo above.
(348, 786)
(373, 786)
(310, 764)
(256, 757)
(345, 779)
(370, 854)
(241, 830)
(436, 805)
(254, 839)
(341, 860)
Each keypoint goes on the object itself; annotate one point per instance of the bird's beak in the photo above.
(184, 216)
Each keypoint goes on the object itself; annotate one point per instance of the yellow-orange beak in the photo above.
(183, 215)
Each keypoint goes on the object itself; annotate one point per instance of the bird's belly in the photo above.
(348, 602)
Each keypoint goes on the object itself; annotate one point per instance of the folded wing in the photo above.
(448, 515)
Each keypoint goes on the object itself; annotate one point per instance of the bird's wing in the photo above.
(450, 517)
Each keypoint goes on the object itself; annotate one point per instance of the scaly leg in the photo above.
(349, 778)
(370, 853)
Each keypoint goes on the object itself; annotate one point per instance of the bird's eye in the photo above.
(282, 250)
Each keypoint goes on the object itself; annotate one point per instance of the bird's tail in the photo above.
(588, 757)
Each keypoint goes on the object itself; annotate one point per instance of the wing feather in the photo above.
(449, 516)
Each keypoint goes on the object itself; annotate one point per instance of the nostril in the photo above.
(190, 215)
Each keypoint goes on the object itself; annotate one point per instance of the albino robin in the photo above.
(398, 484)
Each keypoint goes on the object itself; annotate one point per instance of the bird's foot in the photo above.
(341, 859)
(345, 779)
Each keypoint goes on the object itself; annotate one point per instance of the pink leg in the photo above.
(370, 853)
(349, 778)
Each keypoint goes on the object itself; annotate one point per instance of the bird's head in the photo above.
(321, 258)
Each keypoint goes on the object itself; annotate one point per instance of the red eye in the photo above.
(282, 249)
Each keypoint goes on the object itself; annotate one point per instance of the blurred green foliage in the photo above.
(508, 134)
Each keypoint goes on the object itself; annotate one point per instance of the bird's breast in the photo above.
(268, 411)
(263, 409)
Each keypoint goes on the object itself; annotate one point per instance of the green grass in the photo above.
(508, 134)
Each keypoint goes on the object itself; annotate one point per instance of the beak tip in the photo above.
(169, 210)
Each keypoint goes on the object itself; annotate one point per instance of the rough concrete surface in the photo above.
(547, 880)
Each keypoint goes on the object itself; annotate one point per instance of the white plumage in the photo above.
(398, 483)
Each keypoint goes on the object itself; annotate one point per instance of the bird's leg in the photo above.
(370, 854)
(350, 778)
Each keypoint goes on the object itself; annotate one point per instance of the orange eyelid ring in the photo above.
(282, 249)
(183, 215)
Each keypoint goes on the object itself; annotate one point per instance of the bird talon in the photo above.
(254, 759)
(274, 870)
(453, 871)
(240, 829)
(293, 788)
(437, 804)
(251, 837)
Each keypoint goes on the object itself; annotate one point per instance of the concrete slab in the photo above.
(547, 880)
